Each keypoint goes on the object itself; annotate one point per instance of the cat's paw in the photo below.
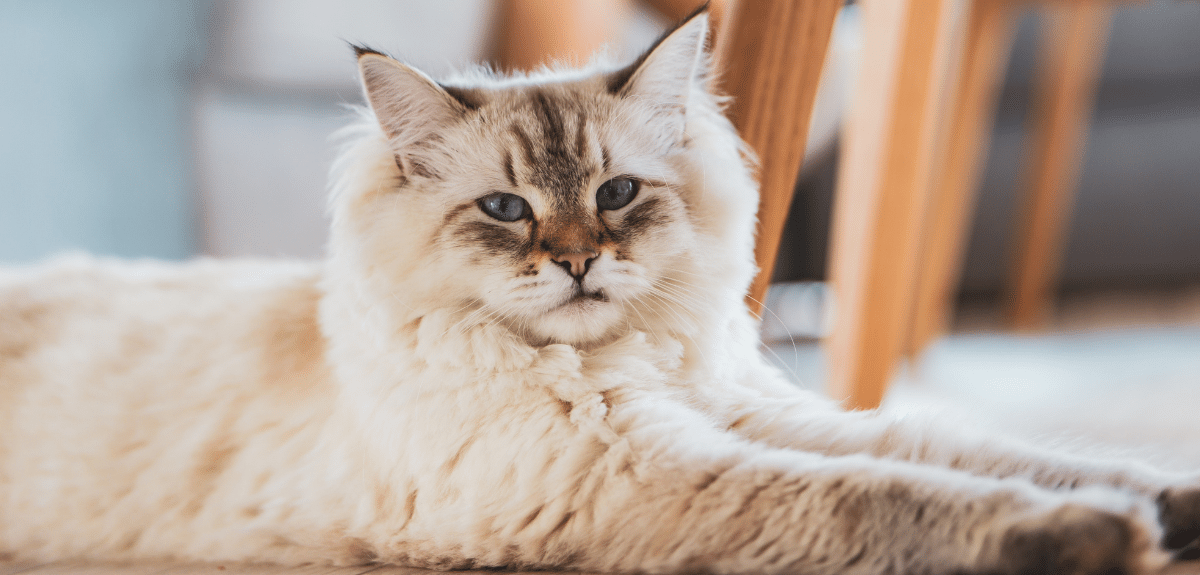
(1179, 513)
(1074, 540)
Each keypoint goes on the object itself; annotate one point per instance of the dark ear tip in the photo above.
(618, 80)
(701, 10)
(361, 50)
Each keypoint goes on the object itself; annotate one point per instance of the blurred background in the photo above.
(180, 128)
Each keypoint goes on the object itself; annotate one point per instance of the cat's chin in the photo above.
(579, 321)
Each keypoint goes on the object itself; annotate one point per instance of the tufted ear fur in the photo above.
(665, 74)
(408, 104)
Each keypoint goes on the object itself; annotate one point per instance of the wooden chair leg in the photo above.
(987, 44)
(884, 186)
(1074, 36)
(535, 32)
(676, 10)
(770, 54)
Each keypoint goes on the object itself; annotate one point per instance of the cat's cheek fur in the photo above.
(622, 281)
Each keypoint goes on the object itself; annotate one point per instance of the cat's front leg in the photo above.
(800, 420)
(697, 498)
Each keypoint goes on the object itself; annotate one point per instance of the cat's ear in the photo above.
(408, 104)
(665, 74)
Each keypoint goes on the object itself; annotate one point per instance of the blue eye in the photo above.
(616, 193)
(505, 207)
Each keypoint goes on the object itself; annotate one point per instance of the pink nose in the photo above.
(577, 263)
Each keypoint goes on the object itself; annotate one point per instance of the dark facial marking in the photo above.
(554, 166)
(420, 168)
(581, 135)
(533, 232)
(606, 158)
(640, 219)
(417, 164)
(494, 240)
(455, 212)
(604, 235)
(551, 119)
(526, 145)
(508, 169)
(401, 179)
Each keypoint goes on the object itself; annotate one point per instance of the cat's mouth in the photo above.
(581, 297)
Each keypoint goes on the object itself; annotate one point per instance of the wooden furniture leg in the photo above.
(980, 76)
(535, 32)
(770, 54)
(884, 185)
(1074, 36)
(676, 10)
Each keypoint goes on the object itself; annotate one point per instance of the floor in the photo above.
(214, 569)
(1115, 372)
(187, 569)
(204, 569)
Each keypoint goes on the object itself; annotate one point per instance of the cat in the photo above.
(526, 348)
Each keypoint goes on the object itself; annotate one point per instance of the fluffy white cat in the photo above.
(526, 348)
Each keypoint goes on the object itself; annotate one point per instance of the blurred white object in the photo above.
(836, 85)
(796, 310)
(303, 43)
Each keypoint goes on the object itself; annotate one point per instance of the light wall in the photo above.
(95, 119)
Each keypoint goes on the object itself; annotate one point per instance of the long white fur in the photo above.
(354, 410)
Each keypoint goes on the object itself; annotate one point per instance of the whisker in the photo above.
(687, 335)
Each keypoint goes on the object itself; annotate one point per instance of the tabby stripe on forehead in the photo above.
(526, 145)
(581, 135)
(554, 135)
(552, 123)
(606, 158)
(508, 169)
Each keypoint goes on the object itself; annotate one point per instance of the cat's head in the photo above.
(563, 205)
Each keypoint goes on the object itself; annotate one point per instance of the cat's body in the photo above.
(527, 348)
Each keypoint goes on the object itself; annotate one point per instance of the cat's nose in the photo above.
(576, 263)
